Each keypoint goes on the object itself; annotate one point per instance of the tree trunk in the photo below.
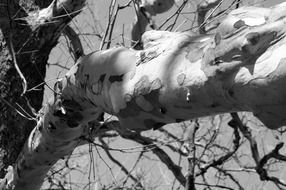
(29, 38)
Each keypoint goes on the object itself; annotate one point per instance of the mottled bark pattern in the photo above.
(175, 77)
(32, 39)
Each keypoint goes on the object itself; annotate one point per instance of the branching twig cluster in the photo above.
(260, 162)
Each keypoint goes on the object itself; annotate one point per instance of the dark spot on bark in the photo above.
(179, 120)
(142, 9)
(153, 97)
(75, 116)
(102, 77)
(244, 49)
(40, 128)
(181, 79)
(230, 92)
(116, 78)
(217, 38)
(217, 61)
(214, 105)
(163, 110)
(239, 24)
(149, 123)
(100, 117)
(158, 125)
(58, 113)
(72, 123)
(78, 53)
(253, 38)
(58, 86)
(52, 126)
(47, 162)
(131, 110)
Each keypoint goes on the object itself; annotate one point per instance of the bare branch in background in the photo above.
(24, 82)
(260, 162)
(203, 8)
(223, 158)
(190, 177)
(121, 166)
(76, 49)
(160, 153)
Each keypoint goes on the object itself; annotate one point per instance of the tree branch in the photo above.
(160, 153)
(260, 162)
(203, 8)
(49, 22)
(190, 178)
(217, 162)
(122, 167)
(77, 48)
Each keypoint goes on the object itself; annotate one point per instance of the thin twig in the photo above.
(224, 158)
(160, 153)
(121, 166)
(260, 162)
(190, 178)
